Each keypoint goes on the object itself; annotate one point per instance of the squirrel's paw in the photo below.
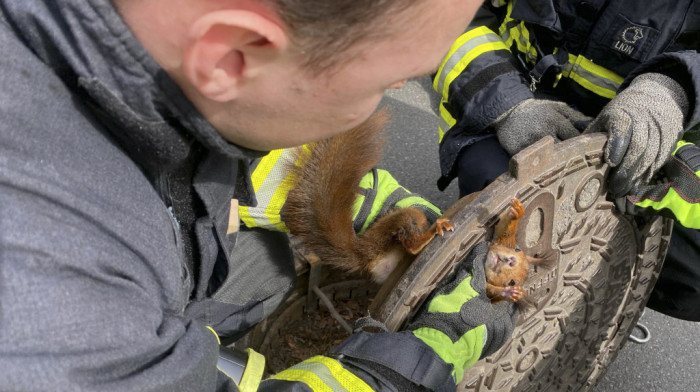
(442, 225)
(516, 209)
(513, 293)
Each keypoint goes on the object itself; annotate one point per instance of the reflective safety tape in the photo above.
(271, 184)
(445, 122)
(215, 334)
(687, 214)
(253, 373)
(682, 195)
(581, 70)
(512, 31)
(472, 40)
(592, 77)
(464, 50)
(323, 374)
(384, 194)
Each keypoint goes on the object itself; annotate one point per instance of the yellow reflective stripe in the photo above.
(680, 144)
(323, 374)
(345, 377)
(278, 199)
(253, 373)
(518, 34)
(463, 45)
(246, 218)
(593, 77)
(524, 44)
(272, 183)
(268, 188)
(309, 378)
(446, 121)
(508, 18)
(461, 40)
(261, 172)
(466, 48)
(687, 214)
(600, 71)
(215, 334)
(464, 62)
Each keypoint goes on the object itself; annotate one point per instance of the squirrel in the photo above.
(318, 209)
(506, 266)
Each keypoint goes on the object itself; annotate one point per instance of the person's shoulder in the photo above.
(55, 154)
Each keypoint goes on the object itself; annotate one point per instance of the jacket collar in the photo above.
(90, 47)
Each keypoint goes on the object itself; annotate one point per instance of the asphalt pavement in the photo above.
(669, 362)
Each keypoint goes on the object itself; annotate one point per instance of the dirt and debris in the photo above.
(314, 333)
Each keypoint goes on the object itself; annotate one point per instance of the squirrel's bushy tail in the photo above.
(318, 209)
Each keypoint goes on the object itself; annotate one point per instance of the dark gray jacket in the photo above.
(548, 41)
(114, 205)
(111, 226)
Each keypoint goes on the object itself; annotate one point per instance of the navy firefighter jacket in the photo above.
(580, 52)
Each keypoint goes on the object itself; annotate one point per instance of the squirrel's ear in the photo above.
(225, 48)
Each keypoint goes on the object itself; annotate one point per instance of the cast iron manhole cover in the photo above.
(587, 301)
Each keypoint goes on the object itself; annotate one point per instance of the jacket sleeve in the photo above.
(91, 294)
(369, 362)
(379, 192)
(478, 80)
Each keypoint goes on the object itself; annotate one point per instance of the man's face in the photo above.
(290, 106)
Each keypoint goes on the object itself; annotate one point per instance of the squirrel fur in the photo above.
(506, 266)
(318, 210)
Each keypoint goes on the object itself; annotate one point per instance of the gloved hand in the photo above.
(532, 119)
(677, 196)
(459, 322)
(643, 123)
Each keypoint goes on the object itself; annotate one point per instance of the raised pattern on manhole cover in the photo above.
(587, 301)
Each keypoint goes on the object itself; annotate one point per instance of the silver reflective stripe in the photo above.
(444, 126)
(323, 372)
(271, 188)
(591, 77)
(461, 52)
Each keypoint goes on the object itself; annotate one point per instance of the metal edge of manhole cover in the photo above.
(587, 302)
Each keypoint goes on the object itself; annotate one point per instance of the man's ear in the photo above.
(227, 46)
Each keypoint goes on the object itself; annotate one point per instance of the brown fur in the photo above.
(506, 266)
(318, 209)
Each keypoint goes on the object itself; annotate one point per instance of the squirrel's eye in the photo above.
(511, 283)
(517, 248)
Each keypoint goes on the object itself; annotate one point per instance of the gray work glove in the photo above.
(644, 122)
(458, 320)
(532, 119)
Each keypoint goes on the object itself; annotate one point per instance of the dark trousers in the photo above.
(479, 164)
